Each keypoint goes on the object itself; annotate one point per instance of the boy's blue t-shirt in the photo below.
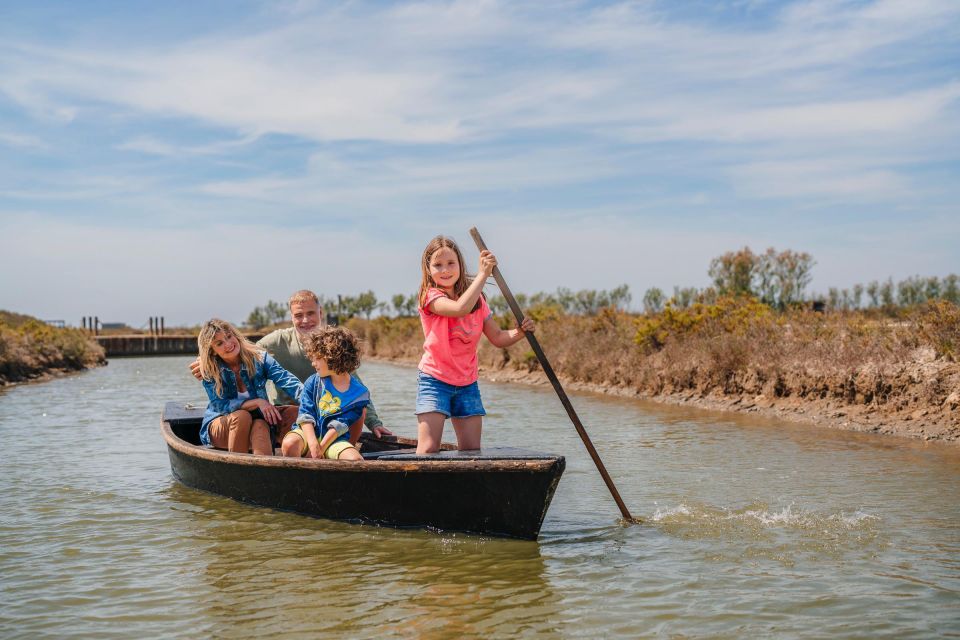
(321, 402)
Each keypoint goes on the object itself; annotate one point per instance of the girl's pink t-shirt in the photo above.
(450, 344)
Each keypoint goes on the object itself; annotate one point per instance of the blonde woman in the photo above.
(235, 373)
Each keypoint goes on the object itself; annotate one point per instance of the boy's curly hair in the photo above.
(337, 345)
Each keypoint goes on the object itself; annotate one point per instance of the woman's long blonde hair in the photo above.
(426, 282)
(210, 362)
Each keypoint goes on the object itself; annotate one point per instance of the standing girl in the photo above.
(454, 313)
(235, 373)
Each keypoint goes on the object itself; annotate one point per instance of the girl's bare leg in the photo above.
(429, 432)
(468, 432)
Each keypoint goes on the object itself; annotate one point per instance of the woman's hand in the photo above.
(270, 413)
(487, 262)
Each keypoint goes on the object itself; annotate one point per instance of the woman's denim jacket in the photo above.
(228, 402)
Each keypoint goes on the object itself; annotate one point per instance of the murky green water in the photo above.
(753, 528)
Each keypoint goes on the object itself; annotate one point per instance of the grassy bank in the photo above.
(30, 348)
(854, 370)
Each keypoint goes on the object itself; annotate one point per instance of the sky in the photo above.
(197, 159)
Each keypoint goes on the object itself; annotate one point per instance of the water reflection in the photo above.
(363, 581)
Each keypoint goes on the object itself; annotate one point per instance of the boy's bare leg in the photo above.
(350, 454)
(291, 446)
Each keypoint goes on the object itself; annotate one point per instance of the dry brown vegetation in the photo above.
(30, 348)
(854, 370)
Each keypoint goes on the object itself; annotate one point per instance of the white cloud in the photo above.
(810, 178)
(330, 179)
(152, 145)
(827, 119)
(607, 141)
(22, 141)
(420, 73)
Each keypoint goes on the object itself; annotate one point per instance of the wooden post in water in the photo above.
(547, 369)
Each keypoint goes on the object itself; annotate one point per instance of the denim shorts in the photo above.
(452, 401)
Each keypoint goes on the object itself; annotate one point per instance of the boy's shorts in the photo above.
(452, 401)
(333, 451)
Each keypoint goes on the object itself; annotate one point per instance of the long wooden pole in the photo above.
(545, 364)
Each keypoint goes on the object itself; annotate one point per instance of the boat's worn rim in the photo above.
(360, 466)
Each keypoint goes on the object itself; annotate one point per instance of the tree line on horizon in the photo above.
(778, 279)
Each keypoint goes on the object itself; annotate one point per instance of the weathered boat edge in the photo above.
(503, 498)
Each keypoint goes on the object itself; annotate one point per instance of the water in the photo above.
(751, 528)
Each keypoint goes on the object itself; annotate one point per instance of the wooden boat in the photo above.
(494, 491)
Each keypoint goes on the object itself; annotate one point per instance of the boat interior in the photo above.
(185, 421)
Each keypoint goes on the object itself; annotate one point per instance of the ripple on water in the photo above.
(750, 528)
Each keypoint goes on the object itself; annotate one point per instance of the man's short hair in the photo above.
(304, 295)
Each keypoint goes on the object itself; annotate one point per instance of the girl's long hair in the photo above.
(210, 362)
(426, 282)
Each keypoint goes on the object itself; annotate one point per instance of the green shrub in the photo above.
(730, 314)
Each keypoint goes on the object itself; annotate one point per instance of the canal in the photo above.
(752, 527)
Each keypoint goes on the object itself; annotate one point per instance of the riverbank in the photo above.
(843, 371)
(920, 423)
(33, 350)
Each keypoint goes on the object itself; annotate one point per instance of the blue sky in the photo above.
(197, 159)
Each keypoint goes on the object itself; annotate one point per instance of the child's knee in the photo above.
(291, 446)
(350, 454)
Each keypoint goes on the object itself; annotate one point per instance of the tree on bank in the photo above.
(267, 315)
(653, 300)
(404, 306)
(775, 278)
(585, 302)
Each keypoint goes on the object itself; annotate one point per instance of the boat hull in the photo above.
(499, 492)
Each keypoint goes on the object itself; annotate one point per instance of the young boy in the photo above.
(333, 404)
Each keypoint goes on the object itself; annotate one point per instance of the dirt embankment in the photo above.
(33, 350)
(844, 372)
(837, 404)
